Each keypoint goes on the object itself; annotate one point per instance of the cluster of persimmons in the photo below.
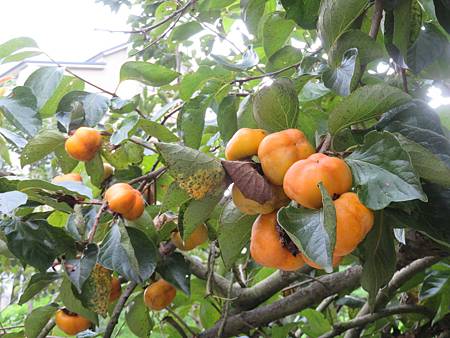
(121, 198)
(294, 170)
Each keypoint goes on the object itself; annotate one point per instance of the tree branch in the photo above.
(47, 328)
(399, 278)
(118, 309)
(97, 220)
(376, 19)
(250, 78)
(149, 176)
(370, 318)
(303, 298)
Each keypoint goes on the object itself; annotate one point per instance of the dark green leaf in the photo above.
(37, 283)
(276, 31)
(129, 252)
(435, 281)
(126, 128)
(378, 250)
(79, 270)
(11, 200)
(185, 31)
(175, 270)
(284, 57)
(19, 108)
(364, 104)
(443, 13)
(44, 143)
(249, 60)
(340, 78)
(384, 168)
(38, 318)
(234, 232)
(227, 117)
(157, 130)
(252, 14)
(208, 314)
(43, 82)
(66, 85)
(244, 114)
(174, 197)
(147, 73)
(94, 168)
(316, 323)
(137, 317)
(313, 90)
(304, 12)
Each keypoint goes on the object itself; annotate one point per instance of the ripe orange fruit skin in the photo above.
(353, 221)
(125, 200)
(159, 295)
(336, 261)
(84, 144)
(302, 179)
(71, 324)
(244, 143)
(116, 289)
(278, 151)
(67, 178)
(266, 248)
(198, 237)
(251, 207)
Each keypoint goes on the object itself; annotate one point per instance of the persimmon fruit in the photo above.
(74, 177)
(71, 323)
(266, 248)
(159, 295)
(125, 200)
(244, 143)
(279, 151)
(84, 144)
(353, 222)
(302, 179)
(198, 237)
(251, 207)
(116, 289)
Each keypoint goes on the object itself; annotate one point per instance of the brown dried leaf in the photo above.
(248, 179)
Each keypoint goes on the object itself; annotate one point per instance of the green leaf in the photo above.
(191, 120)
(365, 103)
(19, 56)
(312, 231)
(227, 117)
(129, 252)
(174, 197)
(304, 12)
(185, 31)
(313, 90)
(426, 164)
(244, 114)
(284, 57)
(384, 168)
(137, 317)
(208, 314)
(19, 108)
(276, 107)
(78, 270)
(78, 108)
(340, 78)
(127, 127)
(249, 60)
(66, 85)
(69, 187)
(435, 281)
(234, 232)
(36, 242)
(13, 138)
(97, 290)
(94, 168)
(11, 200)
(13, 45)
(368, 49)
(276, 31)
(406, 24)
(192, 82)
(442, 13)
(316, 323)
(252, 14)
(379, 257)
(37, 283)
(44, 143)
(147, 73)
(38, 318)
(336, 17)
(157, 130)
(175, 270)
(43, 82)
(73, 304)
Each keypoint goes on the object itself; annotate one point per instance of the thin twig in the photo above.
(210, 265)
(404, 80)
(326, 302)
(149, 176)
(47, 328)
(362, 321)
(376, 19)
(180, 320)
(325, 145)
(142, 143)
(175, 325)
(169, 115)
(256, 77)
(226, 308)
(97, 221)
(118, 309)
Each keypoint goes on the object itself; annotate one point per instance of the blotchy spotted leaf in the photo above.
(195, 172)
(96, 290)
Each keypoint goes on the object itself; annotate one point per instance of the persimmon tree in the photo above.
(191, 208)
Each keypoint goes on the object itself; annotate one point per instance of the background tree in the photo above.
(146, 181)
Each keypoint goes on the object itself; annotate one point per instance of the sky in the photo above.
(65, 29)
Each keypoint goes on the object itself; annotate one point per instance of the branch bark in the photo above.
(47, 328)
(370, 318)
(118, 309)
(303, 298)
(399, 278)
